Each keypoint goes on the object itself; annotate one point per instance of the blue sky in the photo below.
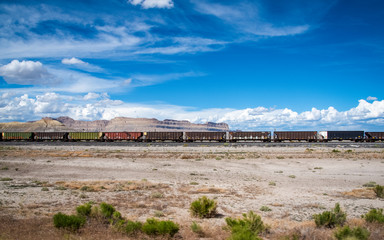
(257, 65)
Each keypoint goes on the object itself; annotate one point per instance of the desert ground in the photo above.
(143, 181)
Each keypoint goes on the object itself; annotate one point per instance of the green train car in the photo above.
(78, 136)
(17, 136)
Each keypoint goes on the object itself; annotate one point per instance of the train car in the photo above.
(27, 136)
(163, 136)
(120, 136)
(78, 136)
(50, 136)
(374, 136)
(310, 136)
(249, 136)
(357, 136)
(205, 136)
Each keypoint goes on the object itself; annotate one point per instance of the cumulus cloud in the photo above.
(93, 106)
(91, 95)
(72, 61)
(26, 73)
(371, 98)
(152, 3)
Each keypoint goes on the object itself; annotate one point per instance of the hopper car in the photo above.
(230, 136)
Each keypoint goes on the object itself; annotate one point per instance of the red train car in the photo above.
(120, 136)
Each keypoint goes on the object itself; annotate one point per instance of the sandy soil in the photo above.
(143, 182)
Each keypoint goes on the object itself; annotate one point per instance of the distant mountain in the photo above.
(63, 124)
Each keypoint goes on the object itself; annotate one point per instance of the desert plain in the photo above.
(285, 185)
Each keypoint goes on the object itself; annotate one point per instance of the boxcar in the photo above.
(345, 135)
(17, 136)
(113, 136)
(374, 136)
(310, 136)
(163, 136)
(77, 136)
(41, 136)
(249, 136)
(205, 136)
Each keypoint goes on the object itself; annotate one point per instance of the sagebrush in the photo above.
(374, 215)
(331, 219)
(203, 207)
(249, 227)
(347, 233)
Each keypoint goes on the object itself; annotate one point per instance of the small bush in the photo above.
(44, 189)
(375, 215)
(196, 228)
(87, 189)
(69, 222)
(357, 233)
(6, 179)
(335, 151)
(379, 190)
(369, 184)
(203, 207)
(84, 210)
(156, 227)
(132, 227)
(106, 210)
(330, 219)
(265, 209)
(247, 228)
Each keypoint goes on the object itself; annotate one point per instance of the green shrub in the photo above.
(196, 228)
(87, 189)
(6, 179)
(357, 233)
(265, 209)
(247, 228)
(156, 227)
(69, 222)
(379, 190)
(84, 210)
(203, 207)
(330, 219)
(106, 210)
(374, 215)
(132, 227)
(369, 184)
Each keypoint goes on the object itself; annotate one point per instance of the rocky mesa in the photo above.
(63, 124)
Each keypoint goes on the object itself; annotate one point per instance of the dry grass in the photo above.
(111, 185)
(364, 193)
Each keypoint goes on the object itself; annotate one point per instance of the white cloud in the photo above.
(72, 61)
(26, 73)
(246, 18)
(94, 106)
(78, 63)
(152, 3)
(91, 95)
(371, 98)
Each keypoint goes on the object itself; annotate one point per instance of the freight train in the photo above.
(232, 136)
